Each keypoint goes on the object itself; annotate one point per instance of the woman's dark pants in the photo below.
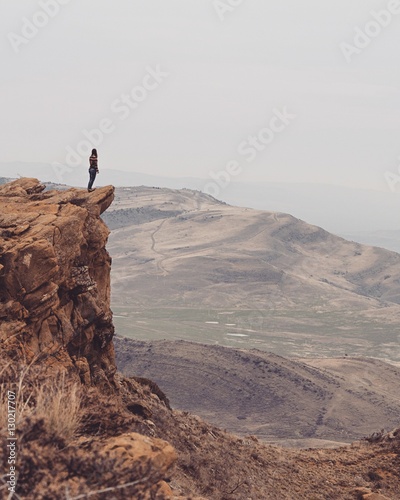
(92, 177)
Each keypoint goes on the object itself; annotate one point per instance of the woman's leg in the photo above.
(92, 174)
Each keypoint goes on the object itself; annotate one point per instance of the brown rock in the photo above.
(84, 369)
(55, 278)
(164, 491)
(153, 456)
(132, 447)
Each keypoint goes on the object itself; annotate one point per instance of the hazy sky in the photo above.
(259, 88)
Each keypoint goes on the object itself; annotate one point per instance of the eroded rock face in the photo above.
(55, 278)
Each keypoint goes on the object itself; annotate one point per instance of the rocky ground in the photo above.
(129, 444)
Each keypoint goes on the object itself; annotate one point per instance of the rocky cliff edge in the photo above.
(55, 278)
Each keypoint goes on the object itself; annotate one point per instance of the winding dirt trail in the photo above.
(153, 249)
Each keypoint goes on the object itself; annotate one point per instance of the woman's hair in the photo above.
(94, 152)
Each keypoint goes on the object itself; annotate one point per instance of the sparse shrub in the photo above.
(56, 401)
(59, 404)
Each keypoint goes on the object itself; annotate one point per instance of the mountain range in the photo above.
(366, 216)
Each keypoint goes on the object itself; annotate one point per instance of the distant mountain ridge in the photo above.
(389, 239)
(341, 210)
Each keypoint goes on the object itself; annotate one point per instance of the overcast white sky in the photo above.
(225, 79)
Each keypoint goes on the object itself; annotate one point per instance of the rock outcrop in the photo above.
(55, 279)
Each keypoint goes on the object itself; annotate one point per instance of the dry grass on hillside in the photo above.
(212, 464)
(57, 402)
(63, 430)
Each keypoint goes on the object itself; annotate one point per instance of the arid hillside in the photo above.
(186, 266)
(129, 444)
(236, 256)
(301, 403)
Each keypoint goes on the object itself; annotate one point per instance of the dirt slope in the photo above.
(124, 446)
(266, 395)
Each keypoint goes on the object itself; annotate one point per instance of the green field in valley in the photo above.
(293, 333)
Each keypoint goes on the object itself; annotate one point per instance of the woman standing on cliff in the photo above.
(93, 169)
